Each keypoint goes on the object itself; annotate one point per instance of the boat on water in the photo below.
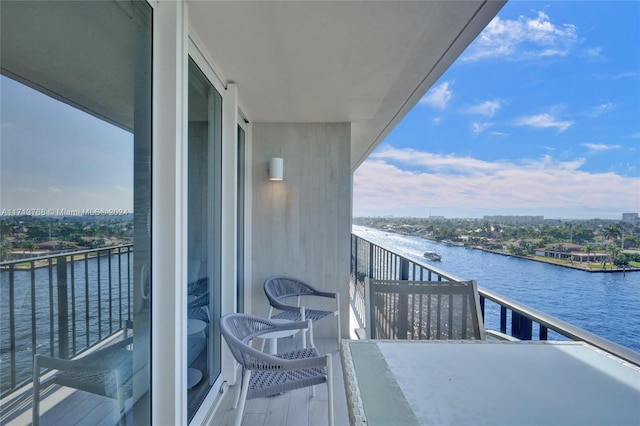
(432, 256)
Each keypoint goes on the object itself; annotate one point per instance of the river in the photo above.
(93, 314)
(607, 304)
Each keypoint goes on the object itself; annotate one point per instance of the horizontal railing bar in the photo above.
(562, 327)
(417, 289)
(66, 253)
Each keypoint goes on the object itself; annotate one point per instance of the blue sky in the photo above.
(539, 116)
(56, 157)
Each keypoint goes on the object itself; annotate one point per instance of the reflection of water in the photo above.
(91, 315)
(607, 304)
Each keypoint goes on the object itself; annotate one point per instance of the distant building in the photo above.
(515, 219)
(630, 217)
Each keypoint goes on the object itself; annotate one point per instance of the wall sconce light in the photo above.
(276, 169)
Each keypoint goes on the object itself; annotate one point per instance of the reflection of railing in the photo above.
(61, 305)
(518, 320)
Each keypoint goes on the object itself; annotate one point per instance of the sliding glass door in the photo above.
(204, 240)
(240, 235)
(75, 193)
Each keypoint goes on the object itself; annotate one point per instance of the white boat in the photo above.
(432, 256)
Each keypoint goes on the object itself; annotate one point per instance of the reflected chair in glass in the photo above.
(266, 375)
(197, 309)
(107, 372)
(280, 288)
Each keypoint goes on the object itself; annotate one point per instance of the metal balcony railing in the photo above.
(61, 305)
(514, 319)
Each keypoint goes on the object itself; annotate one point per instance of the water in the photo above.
(92, 321)
(607, 304)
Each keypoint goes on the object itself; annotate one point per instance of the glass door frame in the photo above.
(228, 216)
(172, 46)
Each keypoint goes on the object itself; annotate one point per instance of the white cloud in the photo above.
(486, 108)
(630, 74)
(602, 108)
(410, 182)
(438, 96)
(434, 162)
(542, 121)
(478, 128)
(525, 38)
(599, 147)
(594, 53)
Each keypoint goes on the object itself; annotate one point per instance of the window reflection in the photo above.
(203, 223)
(75, 182)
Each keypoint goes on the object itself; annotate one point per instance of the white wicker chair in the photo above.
(266, 375)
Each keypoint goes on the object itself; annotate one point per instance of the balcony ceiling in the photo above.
(362, 62)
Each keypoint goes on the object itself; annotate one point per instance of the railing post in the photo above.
(371, 311)
(403, 302)
(503, 319)
(544, 333)
(12, 325)
(521, 326)
(371, 260)
(354, 256)
(368, 310)
(63, 308)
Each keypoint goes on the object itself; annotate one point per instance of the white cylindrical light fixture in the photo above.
(276, 169)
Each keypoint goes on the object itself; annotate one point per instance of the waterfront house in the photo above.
(573, 252)
(209, 92)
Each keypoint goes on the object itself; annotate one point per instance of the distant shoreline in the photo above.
(551, 262)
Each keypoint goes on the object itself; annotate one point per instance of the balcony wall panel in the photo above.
(302, 225)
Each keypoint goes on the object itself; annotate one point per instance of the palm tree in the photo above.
(614, 251)
(588, 248)
(611, 232)
(623, 230)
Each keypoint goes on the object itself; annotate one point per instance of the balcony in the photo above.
(64, 305)
(78, 301)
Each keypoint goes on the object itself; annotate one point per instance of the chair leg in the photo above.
(338, 315)
(243, 398)
(310, 328)
(330, 388)
(239, 390)
(304, 331)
